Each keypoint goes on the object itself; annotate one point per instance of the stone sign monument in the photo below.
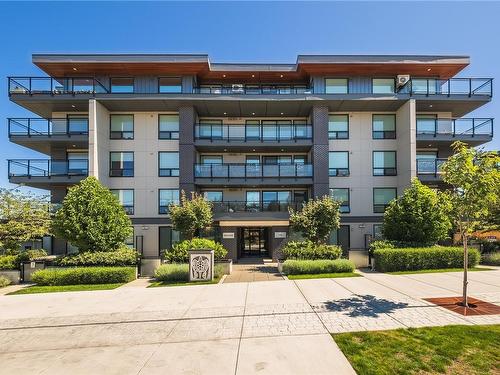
(201, 265)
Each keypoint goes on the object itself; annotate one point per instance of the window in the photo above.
(377, 232)
(77, 164)
(341, 195)
(168, 127)
(253, 201)
(250, 159)
(122, 127)
(129, 241)
(384, 163)
(383, 85)
(338, 126)
(339, 163)
(211, 159)
(209, 129)
(384, 126)
(169, 85)
(427, 162)
(126, 198)
(425, 86)
(167, 238)
(382, 197)
(275, 200)
(427, 124)
(166, 197)
(336, 86)
(77, 124)
(122, 85)
(341, 237)
(168, 164)
(121, 164)
(213, 196)
(252, 129)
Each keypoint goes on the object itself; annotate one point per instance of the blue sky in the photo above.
(245, 32)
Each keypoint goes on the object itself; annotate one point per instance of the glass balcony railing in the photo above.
(466, 127)
(55, 86)
(253, 89)
(253, 133)
(253, 170)
(429, 166)
(452, 86)
(47, 167)
(33, 127)
(263, 206)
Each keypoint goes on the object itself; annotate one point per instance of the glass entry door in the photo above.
(254, 242)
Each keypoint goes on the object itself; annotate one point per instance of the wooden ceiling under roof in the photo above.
(299, 73)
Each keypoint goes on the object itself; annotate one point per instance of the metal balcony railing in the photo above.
(247, 206)
(253, 89)
(47, 167)
(33, 127)
(469, 127)
(253, 133)
(55, 86)
(452, 86)
(429, 166)
(253, 170)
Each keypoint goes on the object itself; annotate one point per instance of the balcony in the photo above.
(55, 86)
(262, 174)
(454, 86)
(263, 136)
(263, 209)
(429, 170)
(43, 173)
(471, 130)
(253, 89)
(41, 134)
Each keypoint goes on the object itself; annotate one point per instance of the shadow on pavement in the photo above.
(364, 305)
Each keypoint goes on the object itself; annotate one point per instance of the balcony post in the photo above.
(473, 127)
(470, 87)
(435, 127)
(31, 93)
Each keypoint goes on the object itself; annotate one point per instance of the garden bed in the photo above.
(35, 289)
(323, 275)
(317, 266)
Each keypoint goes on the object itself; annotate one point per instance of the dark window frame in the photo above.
(348, 211)
(159, 200)
(376, 209)
(336, 174)
(127, 209)
(347, 84)
(159, 86)
(386, 171)
(122, 169)
(389, 132)
(385, 93)
(169, 170)
(169, 138)
(335, 131)
(121, 138)
(121, 77)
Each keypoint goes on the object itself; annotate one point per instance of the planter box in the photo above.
(227, 265)
(13, 275)
(280, 265)
(359, 258)
(29, 268)
(149, 265)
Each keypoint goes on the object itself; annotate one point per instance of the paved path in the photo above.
(253, 272)
(279, 327)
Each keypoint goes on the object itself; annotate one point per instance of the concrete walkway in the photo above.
(253, 272)
(279, 327)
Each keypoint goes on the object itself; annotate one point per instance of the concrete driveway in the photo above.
(279, 327)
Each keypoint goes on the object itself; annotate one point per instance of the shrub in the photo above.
(422, 258)
(491, 259)
(300, 267)
(191, 215)
(84, 275)
(121, 257)
(180, 272)
(4, 281)
(9, 262)
(308, 250)
(179, 252)
(27, 255)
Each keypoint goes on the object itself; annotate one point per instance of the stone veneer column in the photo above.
(187, 154)
(320, 151)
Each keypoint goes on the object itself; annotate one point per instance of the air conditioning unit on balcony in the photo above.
(402, 79)
(237, 88)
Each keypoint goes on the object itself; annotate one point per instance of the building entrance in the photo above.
(254, 242)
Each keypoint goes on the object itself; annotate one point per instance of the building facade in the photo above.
(255, 139)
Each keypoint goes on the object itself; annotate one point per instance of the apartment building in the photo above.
(255, 139)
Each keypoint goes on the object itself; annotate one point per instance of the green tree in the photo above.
(191, 215)
(23, 218)
(92, 218)
(474, 176)
(420, 215)
(317, 219)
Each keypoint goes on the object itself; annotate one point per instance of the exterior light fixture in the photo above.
(225, 113)
(253, 113)
(281, 113)
(72, 106)
(281, 75)
(430, 105)
(253, 149)
(428, 69)
(253, 75)
(75, 69)
(223, 76)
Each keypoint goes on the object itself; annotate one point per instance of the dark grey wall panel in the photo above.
(320, 151)
(187, 154)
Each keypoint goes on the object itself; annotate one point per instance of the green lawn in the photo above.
(450, 350)
(323, 275)
(440, 270)
(65, 288)
(155, 284)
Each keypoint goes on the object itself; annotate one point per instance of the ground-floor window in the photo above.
(341, 237)
(167, 238)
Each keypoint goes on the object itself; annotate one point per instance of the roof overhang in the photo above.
(61, 65)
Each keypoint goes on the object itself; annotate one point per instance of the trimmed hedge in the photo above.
(13, 260)
(301, 267)
(118, 258)
(4, 281)
(422, 258)
(180, 272)
(84, 275)
(491, 259)
(9, 262)
(310, 251)
(179, 252)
